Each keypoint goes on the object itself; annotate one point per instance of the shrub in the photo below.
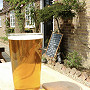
(73, 60)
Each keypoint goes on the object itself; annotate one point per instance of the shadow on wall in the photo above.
(81, 40)
(76, 37)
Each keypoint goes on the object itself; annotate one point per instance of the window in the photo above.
(0, 22)
(12, 19)
(29, 22)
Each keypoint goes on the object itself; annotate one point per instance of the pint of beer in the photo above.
(25, 56)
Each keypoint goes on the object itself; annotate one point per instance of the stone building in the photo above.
(76, 34)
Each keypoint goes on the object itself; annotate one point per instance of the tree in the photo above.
(67, 9)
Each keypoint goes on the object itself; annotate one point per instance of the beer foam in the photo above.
(25, 36)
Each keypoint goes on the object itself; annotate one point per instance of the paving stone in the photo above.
(78, 73)
(84, 75)
(53, 63)
(57, 64)
(64, 69)
(73, 71)
(50, 61)
(68, 70)
(88, 79)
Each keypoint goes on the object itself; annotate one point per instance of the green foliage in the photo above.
(9, 30)
(7, 23)
(17, 5)
(28, 30)
(67, 9)
(64, 10)
(4, 38)
(73, 60)
(44, 60)
(47, 40)
(20, 19)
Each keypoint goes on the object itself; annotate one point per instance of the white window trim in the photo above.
(29, 26)
(1, 21)
(11, 18)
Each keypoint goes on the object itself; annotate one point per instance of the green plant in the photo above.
(7, 23)
(73, 60)
(9, 30)
(18, 6)
(4, 38)
(47, 40)
(28, 30)
(65, 9)
(44, 60)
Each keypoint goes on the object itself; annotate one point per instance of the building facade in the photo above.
(76, 33)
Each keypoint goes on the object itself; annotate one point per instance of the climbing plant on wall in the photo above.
(19, 7)
(65, 9)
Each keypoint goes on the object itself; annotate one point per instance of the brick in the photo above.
(88, 79)
(84, 75)
(78, 73)
(73, 71)
(50, 61)
(68, 70)
(53, 63)
(59, 67)
(64, 69)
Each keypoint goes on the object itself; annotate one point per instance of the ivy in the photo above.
(18, 6)
(65, 9)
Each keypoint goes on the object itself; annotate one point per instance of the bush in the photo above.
(28, 30)
(73, 60)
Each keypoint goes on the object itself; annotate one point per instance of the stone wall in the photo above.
(77, 35)
(2, 28)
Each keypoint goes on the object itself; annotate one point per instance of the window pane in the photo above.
(12, 18)
(13, 24)
(27, 22)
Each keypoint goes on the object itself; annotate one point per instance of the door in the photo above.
(48, 26)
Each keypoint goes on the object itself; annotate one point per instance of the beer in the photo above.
(25, 56)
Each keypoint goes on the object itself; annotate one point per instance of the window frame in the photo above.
(30, 25)
(12, 19)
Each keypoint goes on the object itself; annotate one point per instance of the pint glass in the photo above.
(25, 56)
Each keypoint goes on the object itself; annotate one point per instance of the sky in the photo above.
(1, 4)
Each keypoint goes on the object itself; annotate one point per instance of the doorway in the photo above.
(48, 26)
